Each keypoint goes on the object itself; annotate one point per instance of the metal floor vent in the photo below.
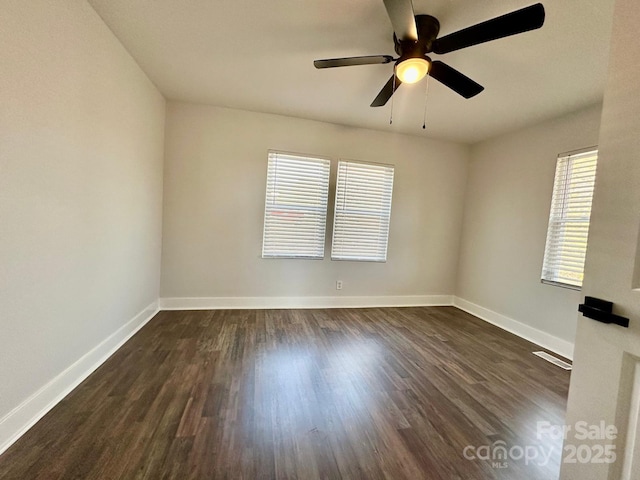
(554, 360)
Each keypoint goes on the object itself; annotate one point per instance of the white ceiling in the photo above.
(258, 55)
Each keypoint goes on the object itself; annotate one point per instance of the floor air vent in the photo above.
(554, 360)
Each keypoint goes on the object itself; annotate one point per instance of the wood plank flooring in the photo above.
(380, 393)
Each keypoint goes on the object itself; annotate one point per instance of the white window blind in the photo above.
(362, 211)
(295, 212)
(568, 230)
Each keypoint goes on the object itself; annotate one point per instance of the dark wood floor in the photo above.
(393, 393)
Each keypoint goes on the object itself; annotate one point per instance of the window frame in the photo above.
(560, 197)
(335, 213)
(301, 156)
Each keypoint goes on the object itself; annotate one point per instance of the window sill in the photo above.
(561, 285)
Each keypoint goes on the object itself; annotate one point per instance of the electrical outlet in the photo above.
(339, 285)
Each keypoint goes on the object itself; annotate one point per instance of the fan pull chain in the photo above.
(392, 92)
(426, 95)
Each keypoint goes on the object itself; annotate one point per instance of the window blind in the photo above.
(295, 213)
(566, 245)
(362, 211)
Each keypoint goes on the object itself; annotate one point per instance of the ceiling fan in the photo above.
(416, 35)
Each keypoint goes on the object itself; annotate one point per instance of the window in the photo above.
(362, 212)
(295, 212)
(569, 219)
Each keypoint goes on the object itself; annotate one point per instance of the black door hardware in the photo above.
(602, 311)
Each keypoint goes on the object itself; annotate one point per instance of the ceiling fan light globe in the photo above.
(412, 70)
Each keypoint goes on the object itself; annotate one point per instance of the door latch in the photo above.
(602, 311)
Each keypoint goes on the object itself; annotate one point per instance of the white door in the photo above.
(605, 382)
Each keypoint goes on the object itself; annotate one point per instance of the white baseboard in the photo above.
(250, 303)
(545, 340)
(15, 423)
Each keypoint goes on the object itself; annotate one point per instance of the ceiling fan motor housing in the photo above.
(428, 28)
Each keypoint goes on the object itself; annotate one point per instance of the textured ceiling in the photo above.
(258, 55)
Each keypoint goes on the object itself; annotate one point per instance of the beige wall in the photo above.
(215, 175)
(81, 146)
(507, 204)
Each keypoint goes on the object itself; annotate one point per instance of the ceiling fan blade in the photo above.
(455, 80)
(349, 61)
(387, 91)
(523, 20)
(402, 19)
